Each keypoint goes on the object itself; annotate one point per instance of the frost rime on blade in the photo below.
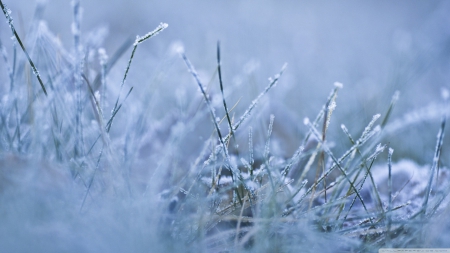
(338, 85)
(140, 39)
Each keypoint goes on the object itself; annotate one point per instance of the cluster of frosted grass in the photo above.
(72, 181)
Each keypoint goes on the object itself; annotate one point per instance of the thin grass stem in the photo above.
(7, 13)
(138, 41)
(437, 154)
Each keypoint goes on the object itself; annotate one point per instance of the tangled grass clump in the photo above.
(75, 179)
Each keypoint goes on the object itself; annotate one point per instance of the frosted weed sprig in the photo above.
(117, 107)
(138, 41)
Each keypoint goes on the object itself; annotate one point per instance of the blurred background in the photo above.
(373, 47)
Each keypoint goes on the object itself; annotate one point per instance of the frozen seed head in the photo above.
(391, 151)
(338, 85)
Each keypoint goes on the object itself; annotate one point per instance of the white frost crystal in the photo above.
(338, 85)
(306, 121)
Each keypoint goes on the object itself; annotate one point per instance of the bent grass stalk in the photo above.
(138, 41)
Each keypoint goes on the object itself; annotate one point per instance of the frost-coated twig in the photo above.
(7, 13)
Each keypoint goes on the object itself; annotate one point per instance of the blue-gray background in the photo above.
(373, 47)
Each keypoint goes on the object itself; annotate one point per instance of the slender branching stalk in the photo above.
(138, 41)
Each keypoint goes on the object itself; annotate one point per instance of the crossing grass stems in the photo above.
(253, 206)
